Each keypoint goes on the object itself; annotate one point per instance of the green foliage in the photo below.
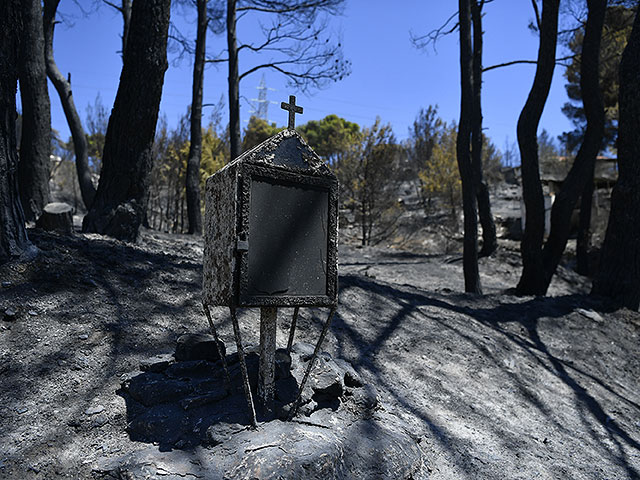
(423, 135)
(166, 206)
(366, 171)
(491, 162)
(257, 131)
(617, 28)
(439, 175)
(332, 137)
(548, 151)
(97, 122)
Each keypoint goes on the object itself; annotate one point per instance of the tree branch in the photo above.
(537, 13)
(559, 61)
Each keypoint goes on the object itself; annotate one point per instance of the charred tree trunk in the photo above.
(13, 236)
(619, 272)
(583, 244)
(195, 147)
(126, 23)
(463, 147)
(118, 209)
(35, 144)
(532, 281)
(489, 239)
(234, 81)
(582, 169)
(63, 87)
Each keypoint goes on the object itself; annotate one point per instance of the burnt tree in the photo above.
(118, 208)
(293, 43)
(583, 242)
(63, 87)
(13, 236)
(619, 274)
(532, 280)
(489, 238)
(234, 80)
(35, 141)
(124, 8)
(195, 146)
(581, 173)
(463, 148)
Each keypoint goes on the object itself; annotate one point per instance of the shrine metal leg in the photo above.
(266, 372)
(325, 329)
(243, 367)
(292, 332)
(227, 381)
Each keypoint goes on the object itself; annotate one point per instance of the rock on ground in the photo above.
(201, 427)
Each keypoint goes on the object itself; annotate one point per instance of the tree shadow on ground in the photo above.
(524, 314)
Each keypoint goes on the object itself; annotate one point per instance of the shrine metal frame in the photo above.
(279, 174)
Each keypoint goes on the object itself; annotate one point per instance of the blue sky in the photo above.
(389, 78)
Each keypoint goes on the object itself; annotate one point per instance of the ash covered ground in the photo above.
(493, 386)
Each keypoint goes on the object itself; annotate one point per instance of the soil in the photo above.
(492, 386)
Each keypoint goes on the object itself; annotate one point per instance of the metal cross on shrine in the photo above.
(293, 109)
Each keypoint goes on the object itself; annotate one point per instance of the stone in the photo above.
(156, 364)
(150, 390)
(160, 424)
(200, 400)
(326, 378)
(317, 449)
(10, 314)
(351, 377)
(198, 346)
(283, 364)
(94, 410)
(591, 315)
(304, 350)
(6, 284)
(200, 430)
(195, 369)
(366, 397)
(222, 432)
(99, 421)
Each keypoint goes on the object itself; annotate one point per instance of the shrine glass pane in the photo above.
(288, 238)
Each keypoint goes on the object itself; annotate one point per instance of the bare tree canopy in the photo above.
(295, 42)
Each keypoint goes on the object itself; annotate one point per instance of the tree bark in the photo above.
(195, 146)
(13, 236)
(532, 280)
(118, 208)
(582, 168)
(583, 243)
(619, 274)
(63, 87)
(126, 23)
(463, 147)
(489, 238)
(35, 144)
(234, 81)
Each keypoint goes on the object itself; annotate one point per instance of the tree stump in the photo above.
(57, 217)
